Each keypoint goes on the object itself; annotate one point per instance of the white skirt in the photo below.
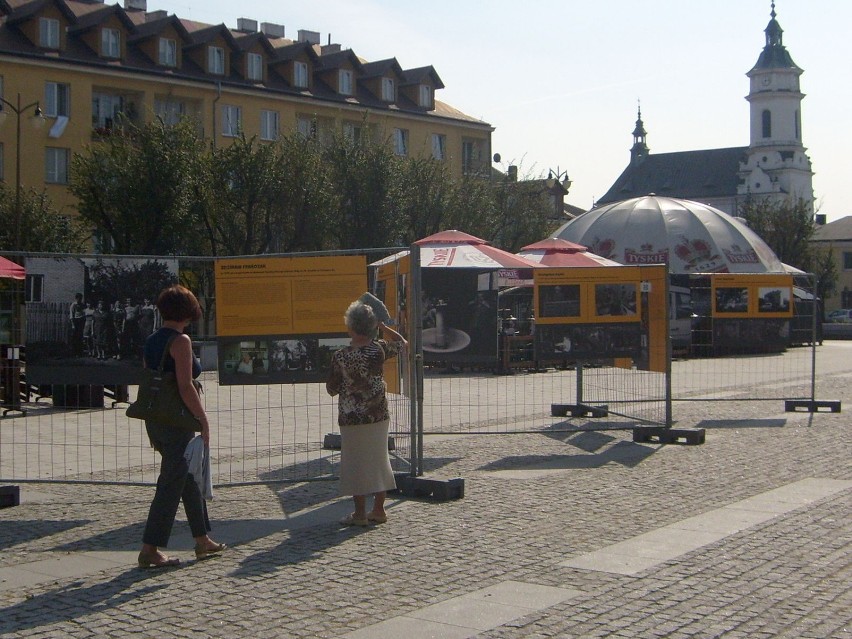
(364, 463)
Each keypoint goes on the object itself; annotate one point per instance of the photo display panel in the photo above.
(280, 319)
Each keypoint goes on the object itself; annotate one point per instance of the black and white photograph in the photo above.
(732, 300)
(285, 359)
(460, 316)
(615, 299)
(773, 299)
(588, 342)
(560, 300)
(91, 317)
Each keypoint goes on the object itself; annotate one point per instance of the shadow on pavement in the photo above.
(74, 601)
(20, 531)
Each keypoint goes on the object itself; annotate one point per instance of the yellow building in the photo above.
(88, 67)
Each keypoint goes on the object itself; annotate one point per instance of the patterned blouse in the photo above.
(356, 374)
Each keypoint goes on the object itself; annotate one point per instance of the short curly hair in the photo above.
(177, 303)
(360, 319)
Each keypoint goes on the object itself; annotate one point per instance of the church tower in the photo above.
(776, 164)
(640, 149)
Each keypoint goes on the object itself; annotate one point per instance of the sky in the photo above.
(560, 80)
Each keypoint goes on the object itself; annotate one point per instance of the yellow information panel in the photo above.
(744, 295)
(286, 295)
(615, 313)
(392, 287)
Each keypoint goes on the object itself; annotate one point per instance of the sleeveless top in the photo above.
(154, 346)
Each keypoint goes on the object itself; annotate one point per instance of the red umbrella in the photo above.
(455, 249)
(10, 270)
(558, 252)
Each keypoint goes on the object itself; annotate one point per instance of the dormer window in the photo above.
(388, 90)
(426, 96)
(168, 52)
(300, 75)
(345, 82)
(254, 67)
(110, 43)
(216, 60)
(48, 33)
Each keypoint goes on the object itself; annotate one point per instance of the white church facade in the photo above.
(775, 163)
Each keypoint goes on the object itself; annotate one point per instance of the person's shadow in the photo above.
(74, 601)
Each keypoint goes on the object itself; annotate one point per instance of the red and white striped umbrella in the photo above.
(454, 249)
(558, 252)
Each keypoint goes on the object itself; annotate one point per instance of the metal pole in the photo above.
(415, 331)
(18, 176)
(814, 310)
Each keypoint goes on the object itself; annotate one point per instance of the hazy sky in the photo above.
(560, 79)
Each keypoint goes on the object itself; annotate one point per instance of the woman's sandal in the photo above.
(148, 560)
(203, 551)
(351, 520)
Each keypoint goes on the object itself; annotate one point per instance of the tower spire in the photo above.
(640, 149)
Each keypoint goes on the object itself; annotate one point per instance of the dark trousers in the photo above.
(174, 485)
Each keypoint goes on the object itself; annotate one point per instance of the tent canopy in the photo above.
(555, 251)
(10, 270)
(689, 237)
(455, 249)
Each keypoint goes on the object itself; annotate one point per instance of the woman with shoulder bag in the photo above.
(178, 307)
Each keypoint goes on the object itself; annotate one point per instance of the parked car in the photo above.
(840, 316)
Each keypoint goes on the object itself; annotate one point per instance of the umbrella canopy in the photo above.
(688, 236)
(454, 249)
(555, 251)
(10, 270)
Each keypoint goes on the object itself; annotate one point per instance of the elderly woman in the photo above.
(178, 307)
(356, 375)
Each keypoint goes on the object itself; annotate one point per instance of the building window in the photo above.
(2, 162)
(307, 127)
(110, 43)
(48, 33)
(847, 261)
(254, 64)
(354, 132)
(400, 141)
(216, 60)
(169, 111)
(57, 99)
(300, 75)
(388, 90)
(766, 123)
(471, 156)
(269, 125)
(439, 146)
(168, 52)
(56, 165)
(426, 96)
(231, 121)
(797, 123)
(34, 288)
(345, 82)
(106, 109)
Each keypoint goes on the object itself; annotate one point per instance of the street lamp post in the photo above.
(19, 110)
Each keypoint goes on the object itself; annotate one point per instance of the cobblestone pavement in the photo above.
(532, 501)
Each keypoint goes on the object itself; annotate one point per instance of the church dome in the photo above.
(688, 236)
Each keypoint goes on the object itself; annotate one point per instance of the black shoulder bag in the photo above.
(159, 400)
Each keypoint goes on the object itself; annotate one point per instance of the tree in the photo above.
(136, 187)
(522, 213)
(365, 176)
(243, 212)
(42, 228)
(787, 226)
